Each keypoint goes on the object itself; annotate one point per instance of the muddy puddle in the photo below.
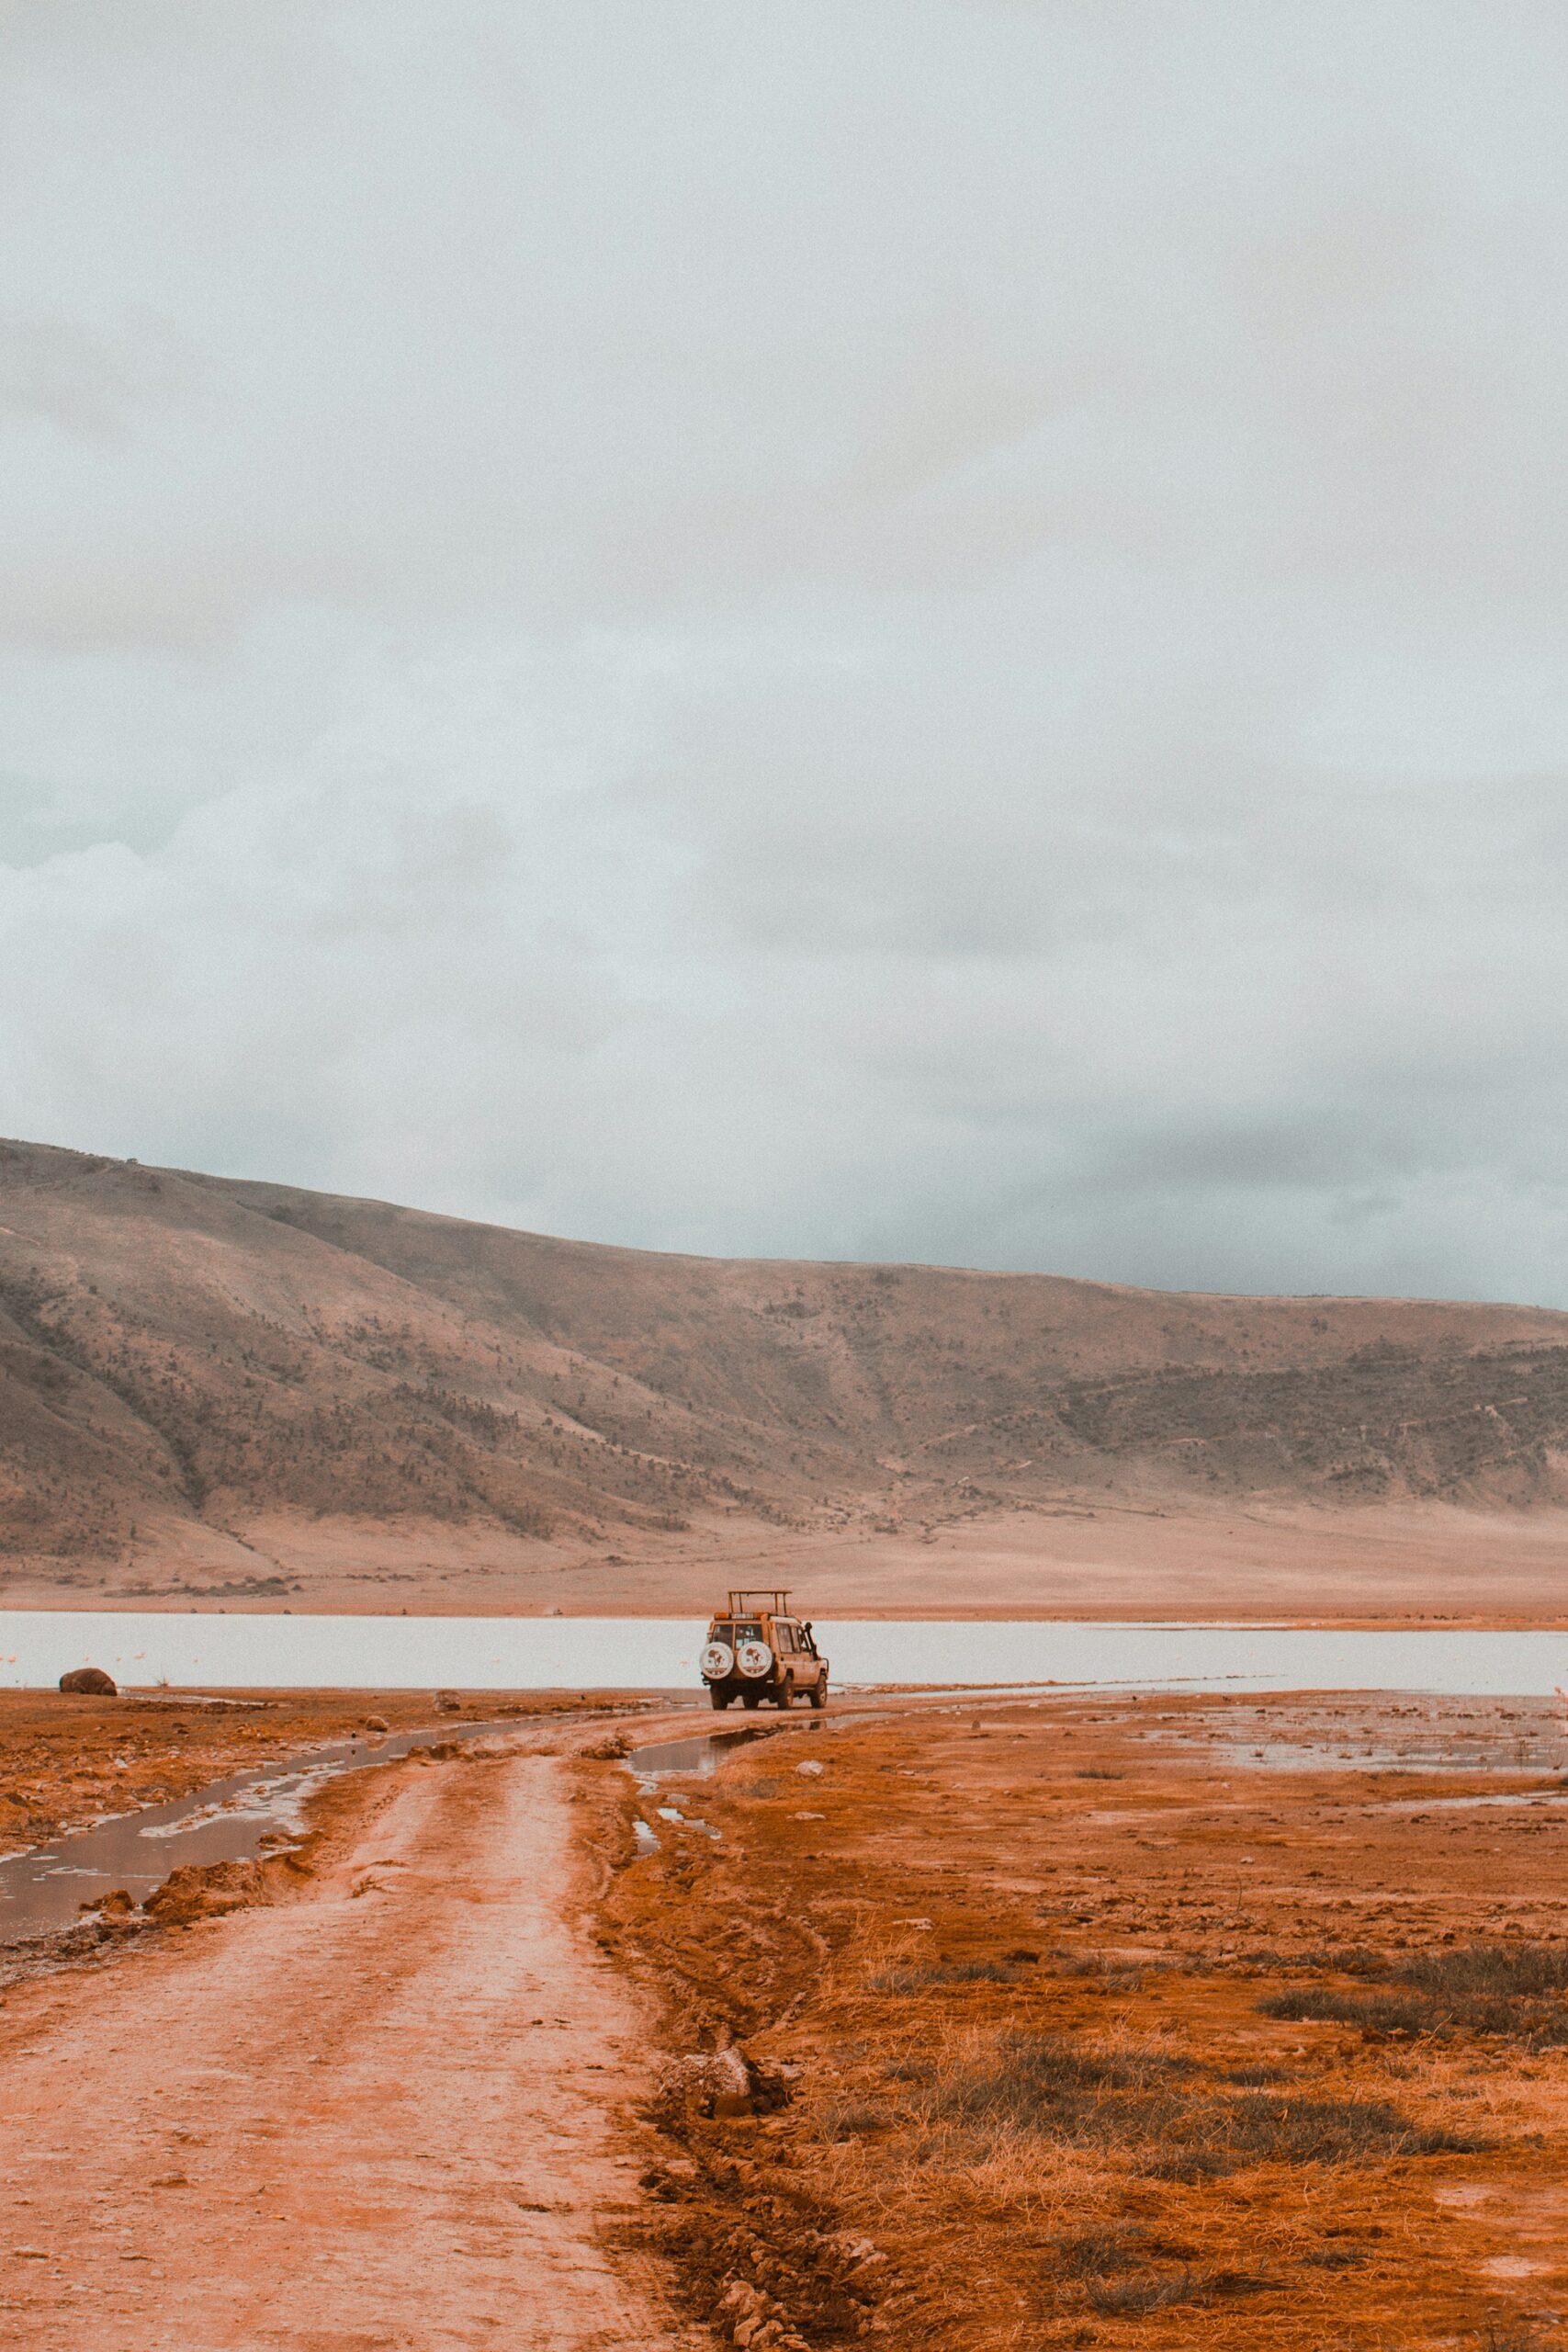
(232, 1820)
(702, 1754)
(1420, 1805)
(700, 1758)
(45, 1888)
(1439, 1737)
(1304, 1755)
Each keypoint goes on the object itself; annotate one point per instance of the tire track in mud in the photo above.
(381, 2116)
(761, 2255)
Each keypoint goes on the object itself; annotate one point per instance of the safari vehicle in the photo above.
(758, 1649)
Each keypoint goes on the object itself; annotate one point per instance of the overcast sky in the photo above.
(933, 630)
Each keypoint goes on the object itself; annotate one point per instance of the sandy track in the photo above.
(377, 2116)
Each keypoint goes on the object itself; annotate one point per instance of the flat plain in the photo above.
(1167, 2022)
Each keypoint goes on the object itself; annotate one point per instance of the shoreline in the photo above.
(1240, 1617)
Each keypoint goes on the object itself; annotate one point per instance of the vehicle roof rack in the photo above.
(751, 1604)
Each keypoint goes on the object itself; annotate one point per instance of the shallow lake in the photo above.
(143, 1648)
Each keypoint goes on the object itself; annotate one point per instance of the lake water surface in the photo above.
(142, 1649)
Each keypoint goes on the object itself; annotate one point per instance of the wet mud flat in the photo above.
(114, 1797)
(1157, 2021)
(379, 2103)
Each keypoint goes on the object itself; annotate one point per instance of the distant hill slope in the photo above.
(186, 1352)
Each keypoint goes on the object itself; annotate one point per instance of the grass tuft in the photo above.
(1118, 2272)
(849, 2118)
(919, 1978)
(1096, 2254)
(1046, 2083)
(1515, 1990)
(1223, 2135)
(1134, 2292)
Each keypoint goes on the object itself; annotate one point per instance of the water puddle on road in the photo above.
(43, 1890)
(698, 1758)
(704, 1752)
(702, 1755)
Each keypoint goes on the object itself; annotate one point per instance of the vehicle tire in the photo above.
(820, 1692)
(721, 1698)
(751, 1700)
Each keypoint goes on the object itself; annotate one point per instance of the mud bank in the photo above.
(244, 1839)
(66, 1761)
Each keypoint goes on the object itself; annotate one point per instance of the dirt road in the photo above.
(376, 2117)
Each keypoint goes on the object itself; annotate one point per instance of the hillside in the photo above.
(246, 1393)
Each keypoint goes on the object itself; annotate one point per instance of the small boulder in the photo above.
(810, 1769)
(709, 2082)
(376, 1723)
(724, 2082)
(91, 1680)
(449, 1703)
(198, 1890)
(608, 1750)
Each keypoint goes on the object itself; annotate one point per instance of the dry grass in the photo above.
(1512, 1990)
(1026, 2068)
(1164, 2112)
(968, 1971)
(1127, 2273)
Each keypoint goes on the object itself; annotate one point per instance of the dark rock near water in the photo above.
(91, 1680)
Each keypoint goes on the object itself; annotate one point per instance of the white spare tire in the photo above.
(753, 1658)
(718, 1662)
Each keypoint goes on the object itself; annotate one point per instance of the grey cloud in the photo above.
(55, 372)
(927, 629)
(706, 305)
